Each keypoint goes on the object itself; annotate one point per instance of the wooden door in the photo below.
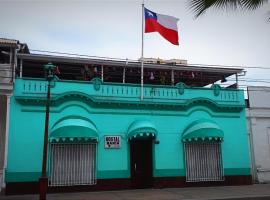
(141, 163)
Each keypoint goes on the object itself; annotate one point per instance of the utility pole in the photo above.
(43, 180)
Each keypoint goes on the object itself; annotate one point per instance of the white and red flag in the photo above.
(165, 25)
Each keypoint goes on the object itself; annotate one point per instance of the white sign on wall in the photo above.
(112, 141)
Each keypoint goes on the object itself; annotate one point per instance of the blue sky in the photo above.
(112, 28)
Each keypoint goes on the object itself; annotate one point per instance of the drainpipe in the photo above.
(21, 67)
(6, 141)
(11, 64)
(172, 77)
(236, 80)
(102, 73)
(15, 64)
(124, 74)
(251, 145)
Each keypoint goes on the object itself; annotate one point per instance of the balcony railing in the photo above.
(6, 79)
(5, 73)
(129, 93)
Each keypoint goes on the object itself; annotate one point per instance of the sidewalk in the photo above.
(250, 192)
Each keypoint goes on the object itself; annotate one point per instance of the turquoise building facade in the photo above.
(103, 135)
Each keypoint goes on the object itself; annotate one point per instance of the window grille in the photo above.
(72, 164)
(203, 162)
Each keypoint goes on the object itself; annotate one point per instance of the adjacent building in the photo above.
(8, 64)
(258, 114)
(106, 131)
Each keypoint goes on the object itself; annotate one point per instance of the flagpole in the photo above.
(142, 51)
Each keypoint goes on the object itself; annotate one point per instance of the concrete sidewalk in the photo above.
(250, 192)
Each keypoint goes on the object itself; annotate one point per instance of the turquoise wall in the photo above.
(112, 114)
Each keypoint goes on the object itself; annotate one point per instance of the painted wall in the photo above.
(259, 127)
(113, 118)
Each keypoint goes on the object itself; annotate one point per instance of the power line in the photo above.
(249, 81)
(221, 84)
(80, 55)
(121, 59)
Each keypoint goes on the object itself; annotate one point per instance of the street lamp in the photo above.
(43, 180)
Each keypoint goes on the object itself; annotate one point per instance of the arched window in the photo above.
(203, 157)
(73, 142)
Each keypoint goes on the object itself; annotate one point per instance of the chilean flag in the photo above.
(164, 24)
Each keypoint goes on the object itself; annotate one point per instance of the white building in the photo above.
(8, 69)
(258, 114)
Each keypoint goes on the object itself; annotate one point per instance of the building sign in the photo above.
(112, 142)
